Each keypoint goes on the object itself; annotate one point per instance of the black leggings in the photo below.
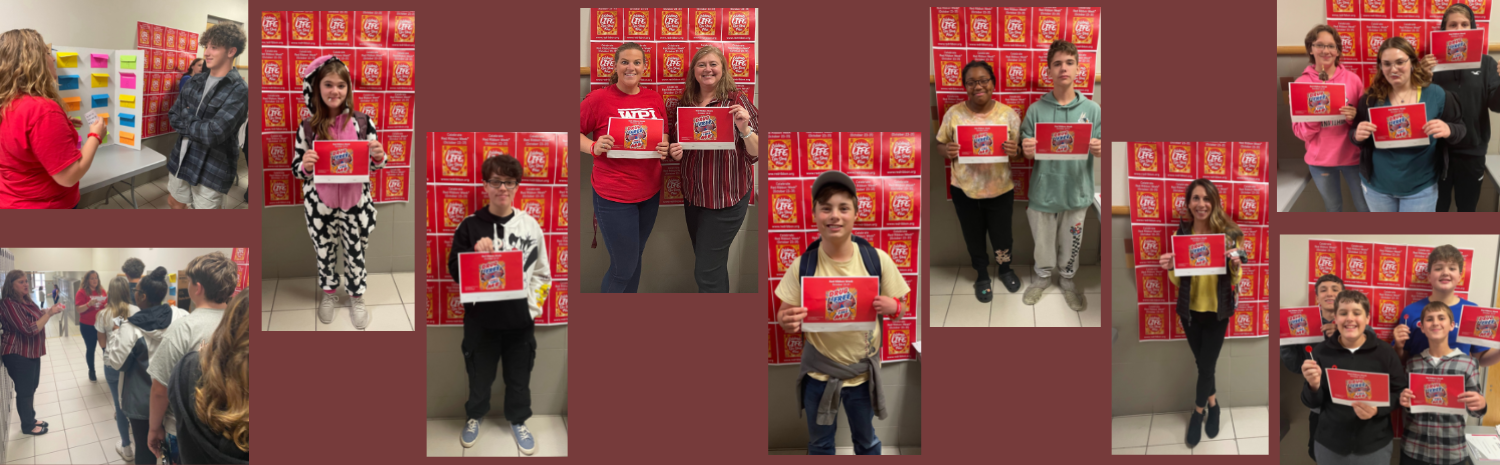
(90, 339)
(1205, 335)
(25, 372)
(976, 217)
(141, 428)
(1465, 175)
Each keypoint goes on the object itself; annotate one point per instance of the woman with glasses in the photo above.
(22, 345)
(41, 159)
(1405, 179)
(1329, 152)
(983, 194)
(717, 184)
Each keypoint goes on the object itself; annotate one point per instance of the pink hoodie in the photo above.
(1330, 145)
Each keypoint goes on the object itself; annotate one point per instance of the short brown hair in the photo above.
(224, 35)
(1312, 36)
(1435, 307)
(504, 165)
(217, 275)
(1446, 253)
(133, 268)
(1061, 46)
(1354, 297)
(826, 193)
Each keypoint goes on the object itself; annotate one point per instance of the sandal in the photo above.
(42, 424)
(982, 291)
(44, 431)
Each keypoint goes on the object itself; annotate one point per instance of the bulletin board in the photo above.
(670, 37)
(1014, 41)
(379, 47)
(887, 172)
(106, 82)
(1159, 174)
(1391, 275)
(1364, 25)
(166, 54)
(455, 189)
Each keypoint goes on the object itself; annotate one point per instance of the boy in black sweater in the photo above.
(1359, 434)
(502, 331)
(1328, 289)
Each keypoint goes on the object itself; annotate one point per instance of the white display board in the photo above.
(97, 79)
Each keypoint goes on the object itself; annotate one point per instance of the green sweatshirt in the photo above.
(1058, 186)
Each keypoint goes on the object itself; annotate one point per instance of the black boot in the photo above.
(1212, 428)
(1195, 429)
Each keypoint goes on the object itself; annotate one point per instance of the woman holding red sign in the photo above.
(336, 213)
(627, 191)
(983, 194)
(716, 183)
(1351, 432)
(1478, 93)
(41, 159)
(1329, 153)
(1205, 302)
(1405, 179)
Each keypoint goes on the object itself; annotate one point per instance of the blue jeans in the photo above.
(857, 410)
(625, 226)
(1327, 180)
(1422, 201)
(112, 377)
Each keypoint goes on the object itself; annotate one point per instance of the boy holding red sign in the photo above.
(1061, 190)
(1405, 178)
(1359, 433)
(1445, 270)
(502, 331)
(1437, 438)
(840, 365)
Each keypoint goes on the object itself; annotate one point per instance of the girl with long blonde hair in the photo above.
(212, 389)
(117, 307)
(41, 159)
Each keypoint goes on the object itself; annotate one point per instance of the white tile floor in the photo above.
(1242, 431)
(154, 194)
(79, 411)
(291, 304)
(495, 438)
(954, 305)
(884, 450)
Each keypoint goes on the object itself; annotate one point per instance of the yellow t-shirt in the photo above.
(844, 347)
(980, 180)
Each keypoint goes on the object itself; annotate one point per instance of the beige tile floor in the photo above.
(495, 438)
(79, 411)
(154, 194)
(953, 303)
(291, 304)
(884, 450)
(1242, 431)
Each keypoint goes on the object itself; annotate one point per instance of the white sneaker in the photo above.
(357, 313)
(126, 453)
(325, 307)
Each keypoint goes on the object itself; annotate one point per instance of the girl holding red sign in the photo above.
(1205, 302)
(627, 191)
(1359, 433)
(716, 183)
(1329, 153)
(1478, 93)
(1434, 437)
(1404, 179)
(983, 194)
(336, 213)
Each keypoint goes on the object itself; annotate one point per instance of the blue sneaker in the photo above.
(471, 432)
(524, 440)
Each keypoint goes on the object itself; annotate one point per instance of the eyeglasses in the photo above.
(496, 184)
(1321, 47)
(977, 82)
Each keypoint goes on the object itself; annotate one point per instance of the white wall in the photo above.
(54, 259)
(108, 261)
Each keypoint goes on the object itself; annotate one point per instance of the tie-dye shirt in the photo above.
(980, 180)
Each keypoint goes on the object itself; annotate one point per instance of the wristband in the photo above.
(96, 136)
(591, 147)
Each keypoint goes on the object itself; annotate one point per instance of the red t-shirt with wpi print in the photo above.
(624, 180)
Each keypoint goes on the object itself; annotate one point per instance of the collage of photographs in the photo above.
(853, 226)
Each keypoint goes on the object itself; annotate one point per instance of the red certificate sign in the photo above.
(341, 162)
(1436, 394)
(1458, 49)
(1479, 326)
(1301, 325)
(635, 137)
(491, 276)
(704, 128)
(1316, 101)
(1399, 126)
(982, 144)
(839, 303)
(1063, 141)
(1349, 386)
(1198, 254)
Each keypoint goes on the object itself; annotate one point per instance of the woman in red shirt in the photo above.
(716, 184)
(626, 190)
(40, 159)
(88, 302)
(23, 343)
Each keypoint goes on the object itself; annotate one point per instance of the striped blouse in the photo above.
(717, 178)
(22, 337)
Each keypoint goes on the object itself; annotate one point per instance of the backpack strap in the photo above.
(867, 253)
(363, 121)
(809, 261)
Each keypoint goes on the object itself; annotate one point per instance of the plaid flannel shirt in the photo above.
(211, 130)
(1433, 437)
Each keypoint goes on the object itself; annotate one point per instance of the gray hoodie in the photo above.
(1061, 185)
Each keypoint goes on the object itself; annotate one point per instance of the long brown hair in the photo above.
(223, 393)
(9, 293)
(1218, 221)
(723, 88)
(321, 119)
(1380, 89)
(615, 75)
(119, 300)
(91, 289)
(23, 68)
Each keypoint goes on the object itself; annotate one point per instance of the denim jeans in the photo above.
(112, 377)
(1422, 201)
(1327, 180)
(625, 227)
(857, 410)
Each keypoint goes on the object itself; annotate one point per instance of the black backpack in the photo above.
(867, 253)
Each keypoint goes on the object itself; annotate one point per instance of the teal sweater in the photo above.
(1058, 186)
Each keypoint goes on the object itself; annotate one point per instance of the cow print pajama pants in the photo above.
(328, 226)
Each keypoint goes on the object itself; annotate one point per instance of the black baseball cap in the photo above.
(835, 177)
